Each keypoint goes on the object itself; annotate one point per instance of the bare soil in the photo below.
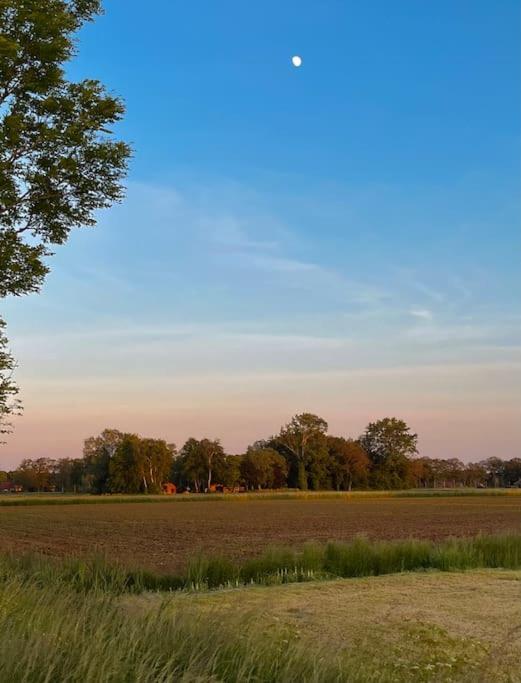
(163, 536)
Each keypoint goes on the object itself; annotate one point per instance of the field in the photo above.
(120, 591)
(163, 536)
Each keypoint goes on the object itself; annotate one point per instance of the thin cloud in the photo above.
(422, 313)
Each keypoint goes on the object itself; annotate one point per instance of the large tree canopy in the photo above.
(390, 446)
(389, 438)
(303, 440)
(59, 162)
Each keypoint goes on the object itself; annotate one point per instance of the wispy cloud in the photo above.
(422, 313)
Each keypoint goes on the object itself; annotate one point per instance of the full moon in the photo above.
(296, 61)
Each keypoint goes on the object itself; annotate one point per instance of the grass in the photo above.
(361, 557)
(281, 634)
(358, 558)
(30, 499)
(47, 637)
(89, 621)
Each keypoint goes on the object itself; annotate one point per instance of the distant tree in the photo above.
(303, 441)
(455, 470)
(495, 471)
(3, 476)
(35, 475)
(67, 474)
(475, 475)
(348, 463)
(189, 466)
(199, 460)
(157, 464)
(416, 473)
(264, 468)
(512, 472)
(213, 457)
(97, 454)
(389, 444)
(229, 474)
(279, 470)
(127, 466)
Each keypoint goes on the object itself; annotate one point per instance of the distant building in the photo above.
(10, 487)
(169, 488)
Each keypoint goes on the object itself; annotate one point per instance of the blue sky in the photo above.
(342, 238)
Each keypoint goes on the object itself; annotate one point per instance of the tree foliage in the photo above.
(263, 468)
(98, 452)
(116, 462)
(9, 404)
(390, 445)
(197, 463)
(59, 161)
(348, 463)
(303, 441)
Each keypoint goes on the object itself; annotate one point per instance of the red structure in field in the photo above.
(169, 488)
(10, 487)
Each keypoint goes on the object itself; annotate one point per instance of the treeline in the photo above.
(302, 455)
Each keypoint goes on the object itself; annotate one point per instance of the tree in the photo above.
(35, 475)
(67, 474)
(157, 463)
(264, 468)
(303, 441)
(475, 475)
(389, 444)
(126, 463)
(97, 454)
(9, 404)
(189, 466)
(229, 474)
(495, 471)
(199, 460)
(59, 162)
(348, 463)
(127, 466)
(512, 472)
(213, 457)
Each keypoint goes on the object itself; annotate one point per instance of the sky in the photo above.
(343, 238)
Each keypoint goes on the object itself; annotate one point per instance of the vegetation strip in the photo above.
(358, 558)
(14, 500)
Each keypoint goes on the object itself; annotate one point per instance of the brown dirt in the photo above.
(162, 536)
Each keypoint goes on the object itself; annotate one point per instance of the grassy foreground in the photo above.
(409, 627)
(29, 499)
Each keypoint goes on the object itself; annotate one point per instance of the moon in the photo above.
(296, 61)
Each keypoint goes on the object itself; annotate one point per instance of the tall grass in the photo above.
(358, 558)
(70, 620)
(60, 634)
(362, 557)
(16, 499)
(47, 637)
